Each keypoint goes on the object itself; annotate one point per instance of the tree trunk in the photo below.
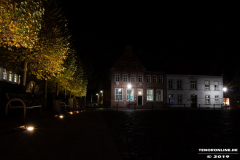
(24, 73)
(69, 94)
(45, 94)
(65, 93)
(57, 89)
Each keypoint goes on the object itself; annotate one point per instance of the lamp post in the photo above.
(97, 99)
(225, 90)
(129, 86)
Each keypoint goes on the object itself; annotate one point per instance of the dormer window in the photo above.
(123, 65)
(128, 55)
(134, 65)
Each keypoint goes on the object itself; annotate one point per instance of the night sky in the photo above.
(165, 37)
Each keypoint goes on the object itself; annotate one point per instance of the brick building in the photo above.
(129, 83)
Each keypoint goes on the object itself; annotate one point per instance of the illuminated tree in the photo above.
(20, 23)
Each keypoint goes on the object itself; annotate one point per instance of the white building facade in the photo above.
(194, 91)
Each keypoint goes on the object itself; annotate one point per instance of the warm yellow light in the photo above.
(30, 128)
(76, 111)
(56, 115)
(70, 112)
(61, 116)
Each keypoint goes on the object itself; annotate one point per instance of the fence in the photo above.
(199, 106)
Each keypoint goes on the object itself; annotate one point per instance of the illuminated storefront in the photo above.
(226, 102)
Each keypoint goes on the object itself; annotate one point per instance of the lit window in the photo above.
(130, 94)
(179, 84)
(123, 65)
(160, 79)
(125, 77)
(207, 99)
(140, 78)
(15, 78)
(216, 99)
(170, 98)
(179, 99)
(10, 76)
(134, 65)
(154, 79)
(170, 84)
(4, 74)
(149, 94)
(140, 91)
(148, 79)
(215, 86)
(193, 84)
(207, 85)
(159, 95)
(117, 77)
(133, 78)
(118, 94)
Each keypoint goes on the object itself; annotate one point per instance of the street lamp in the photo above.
(225, 90)
(129, 86)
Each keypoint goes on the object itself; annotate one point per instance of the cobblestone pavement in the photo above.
(173, 134)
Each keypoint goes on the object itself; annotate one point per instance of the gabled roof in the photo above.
(129, 60)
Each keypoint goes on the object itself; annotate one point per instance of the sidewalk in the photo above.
(84, 136)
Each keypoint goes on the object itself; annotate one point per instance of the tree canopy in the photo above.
(35, 32)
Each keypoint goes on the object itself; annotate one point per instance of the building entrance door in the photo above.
(193, 101)
(139, 100)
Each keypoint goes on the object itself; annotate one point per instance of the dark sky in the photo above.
(179, 32)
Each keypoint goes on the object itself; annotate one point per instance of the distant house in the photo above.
(233, 93)
(129, 83)
(194, 90)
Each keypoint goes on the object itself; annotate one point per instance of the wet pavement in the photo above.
(173, 134)
(107, 134)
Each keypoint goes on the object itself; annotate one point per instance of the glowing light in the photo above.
(61, 116)
(70, 112)
(129, 86)
(97, 94)
(56, 115)
(224, 89)
(76, 111)
(100, 91)
(30, 128)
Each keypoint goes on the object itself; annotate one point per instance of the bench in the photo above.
(63, 104)
(22, 101)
